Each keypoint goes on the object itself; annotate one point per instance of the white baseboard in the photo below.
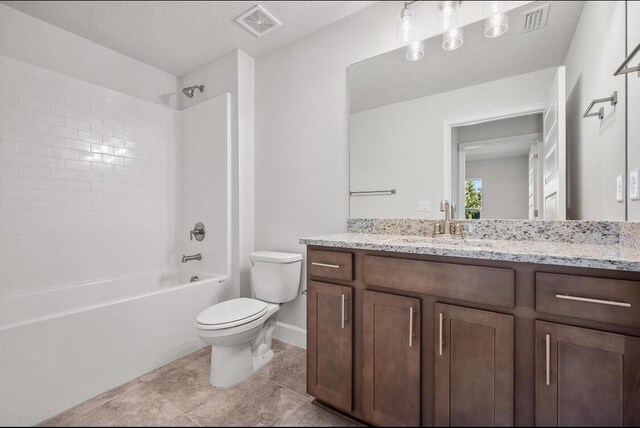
(291, 334)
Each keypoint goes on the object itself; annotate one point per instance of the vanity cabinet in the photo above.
(586, 377)
(330, 344)
(474, 367)
(399, 339)
(391, 359)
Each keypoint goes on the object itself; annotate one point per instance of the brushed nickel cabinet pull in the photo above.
(411, 327)
(547, 358)
(342, 311)
(441, 342)
(326, 265)
(588, 300)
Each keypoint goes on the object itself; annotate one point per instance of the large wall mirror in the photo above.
(500, 125)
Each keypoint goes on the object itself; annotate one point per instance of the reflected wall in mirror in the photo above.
(497, 125)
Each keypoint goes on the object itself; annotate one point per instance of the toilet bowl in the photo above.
(240, 330)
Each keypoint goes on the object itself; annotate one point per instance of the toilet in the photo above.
(240, 330)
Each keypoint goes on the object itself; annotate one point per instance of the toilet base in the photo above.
(232, 364)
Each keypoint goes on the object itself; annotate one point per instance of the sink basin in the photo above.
(417, 240)
(414, 240)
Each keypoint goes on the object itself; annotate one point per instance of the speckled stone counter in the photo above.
(600, 256)
(575, 232)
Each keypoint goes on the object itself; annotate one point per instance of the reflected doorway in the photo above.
(498, 169)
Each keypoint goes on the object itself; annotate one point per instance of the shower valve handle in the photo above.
(198, 232)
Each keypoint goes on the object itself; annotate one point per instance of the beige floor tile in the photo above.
(81, 409)
(256, 402)
(134, 404)
(186, 386)
(309, 415)
(179, 394)
(288, 367)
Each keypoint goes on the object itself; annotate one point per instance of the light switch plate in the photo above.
(620, 189)
(424, 206)
(634, 184)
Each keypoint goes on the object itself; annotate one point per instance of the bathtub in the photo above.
(61, 347)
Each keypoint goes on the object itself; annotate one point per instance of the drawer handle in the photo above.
(411, 327)
(586, 299)
(547, 359)
(326, 265)
(441, 340)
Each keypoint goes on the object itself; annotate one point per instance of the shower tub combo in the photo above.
(63, 346)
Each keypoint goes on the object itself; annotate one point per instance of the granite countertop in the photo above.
(599, 256)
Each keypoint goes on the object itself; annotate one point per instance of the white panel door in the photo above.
(554, 203)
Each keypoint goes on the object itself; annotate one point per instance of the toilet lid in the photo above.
(232, 313)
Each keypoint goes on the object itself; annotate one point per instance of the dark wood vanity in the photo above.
(408, 340)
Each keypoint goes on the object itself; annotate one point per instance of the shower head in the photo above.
(190, 90)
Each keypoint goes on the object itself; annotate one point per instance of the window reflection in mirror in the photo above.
(473, 199)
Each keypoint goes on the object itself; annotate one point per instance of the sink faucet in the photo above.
(186, 258)
(448, 228)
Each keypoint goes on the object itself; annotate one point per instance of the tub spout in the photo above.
(186, 258)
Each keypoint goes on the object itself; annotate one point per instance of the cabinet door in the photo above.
(474, 367)
(330, 344)
(391, 359)
(586, 377)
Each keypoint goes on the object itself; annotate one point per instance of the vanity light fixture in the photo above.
(498, 22)
(415, 51)
(448, 8)
(407, 25)
(452, 39)
(407, 33)
(453, 36)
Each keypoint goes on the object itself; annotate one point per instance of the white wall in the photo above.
(87, 181)
(595, 148)
(202, 172)
(521, 125)
(246, 168)
(400, 145)
(633, 112)
(217, 76)
(505, 186)
(31, 40)
(234, 73)
(302, 126)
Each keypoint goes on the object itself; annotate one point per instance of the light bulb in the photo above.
(406, 26)
(493, 7)
(448, 8)
(415, 51)
(452, 39)
(496, 25)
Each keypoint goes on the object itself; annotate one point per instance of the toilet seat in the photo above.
(231, 313)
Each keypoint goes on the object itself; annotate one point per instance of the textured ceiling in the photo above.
(389, 78)
(179, 36)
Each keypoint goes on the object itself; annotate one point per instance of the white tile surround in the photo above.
(87, 181)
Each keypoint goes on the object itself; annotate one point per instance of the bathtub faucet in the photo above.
(190, 258)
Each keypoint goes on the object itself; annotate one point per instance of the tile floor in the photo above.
(179, 394)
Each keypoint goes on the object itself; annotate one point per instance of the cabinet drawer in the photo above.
(612, 301)
(486, 285)
(331, 264)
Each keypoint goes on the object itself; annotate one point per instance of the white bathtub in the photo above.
(61, 347)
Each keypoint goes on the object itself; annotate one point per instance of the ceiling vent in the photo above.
(258, 21)
(536, 19)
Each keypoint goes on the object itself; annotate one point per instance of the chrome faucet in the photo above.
(448, 228)
(186, 258)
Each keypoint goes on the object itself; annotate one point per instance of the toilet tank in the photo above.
(275, 276)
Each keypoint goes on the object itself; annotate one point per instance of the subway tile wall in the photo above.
(87, 181)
